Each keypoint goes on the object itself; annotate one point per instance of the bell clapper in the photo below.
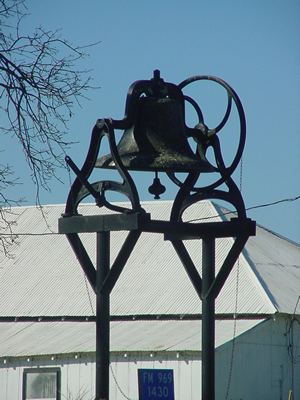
(156, 188)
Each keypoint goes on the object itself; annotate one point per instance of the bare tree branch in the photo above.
(39, 85)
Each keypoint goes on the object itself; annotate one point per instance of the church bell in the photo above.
(157, 137)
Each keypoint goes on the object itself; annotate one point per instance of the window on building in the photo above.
(41, 383)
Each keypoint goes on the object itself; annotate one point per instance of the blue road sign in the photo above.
(156, 384)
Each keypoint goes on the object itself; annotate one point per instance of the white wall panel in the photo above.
(262, 367)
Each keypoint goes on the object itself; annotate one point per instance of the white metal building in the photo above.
(47, 333)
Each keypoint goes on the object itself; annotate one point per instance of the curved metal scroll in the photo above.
(189, 193)
(81, 187)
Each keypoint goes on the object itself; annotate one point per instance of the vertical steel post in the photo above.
(102, 317)
(208, 320)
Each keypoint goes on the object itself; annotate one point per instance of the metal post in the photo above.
(102, 317)
(208, 320)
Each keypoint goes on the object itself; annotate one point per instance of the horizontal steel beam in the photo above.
(172, 230)
(191, 231)
(101, 223)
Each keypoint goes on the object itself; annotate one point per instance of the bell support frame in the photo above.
(103, 275)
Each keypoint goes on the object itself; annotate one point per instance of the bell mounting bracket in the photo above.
(189, 192)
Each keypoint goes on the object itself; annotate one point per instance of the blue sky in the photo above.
(253, 45)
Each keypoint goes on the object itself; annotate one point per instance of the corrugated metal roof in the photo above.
(275, 262)
(40, 338)
(44, 278)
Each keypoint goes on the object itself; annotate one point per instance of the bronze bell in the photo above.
(157, 137)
